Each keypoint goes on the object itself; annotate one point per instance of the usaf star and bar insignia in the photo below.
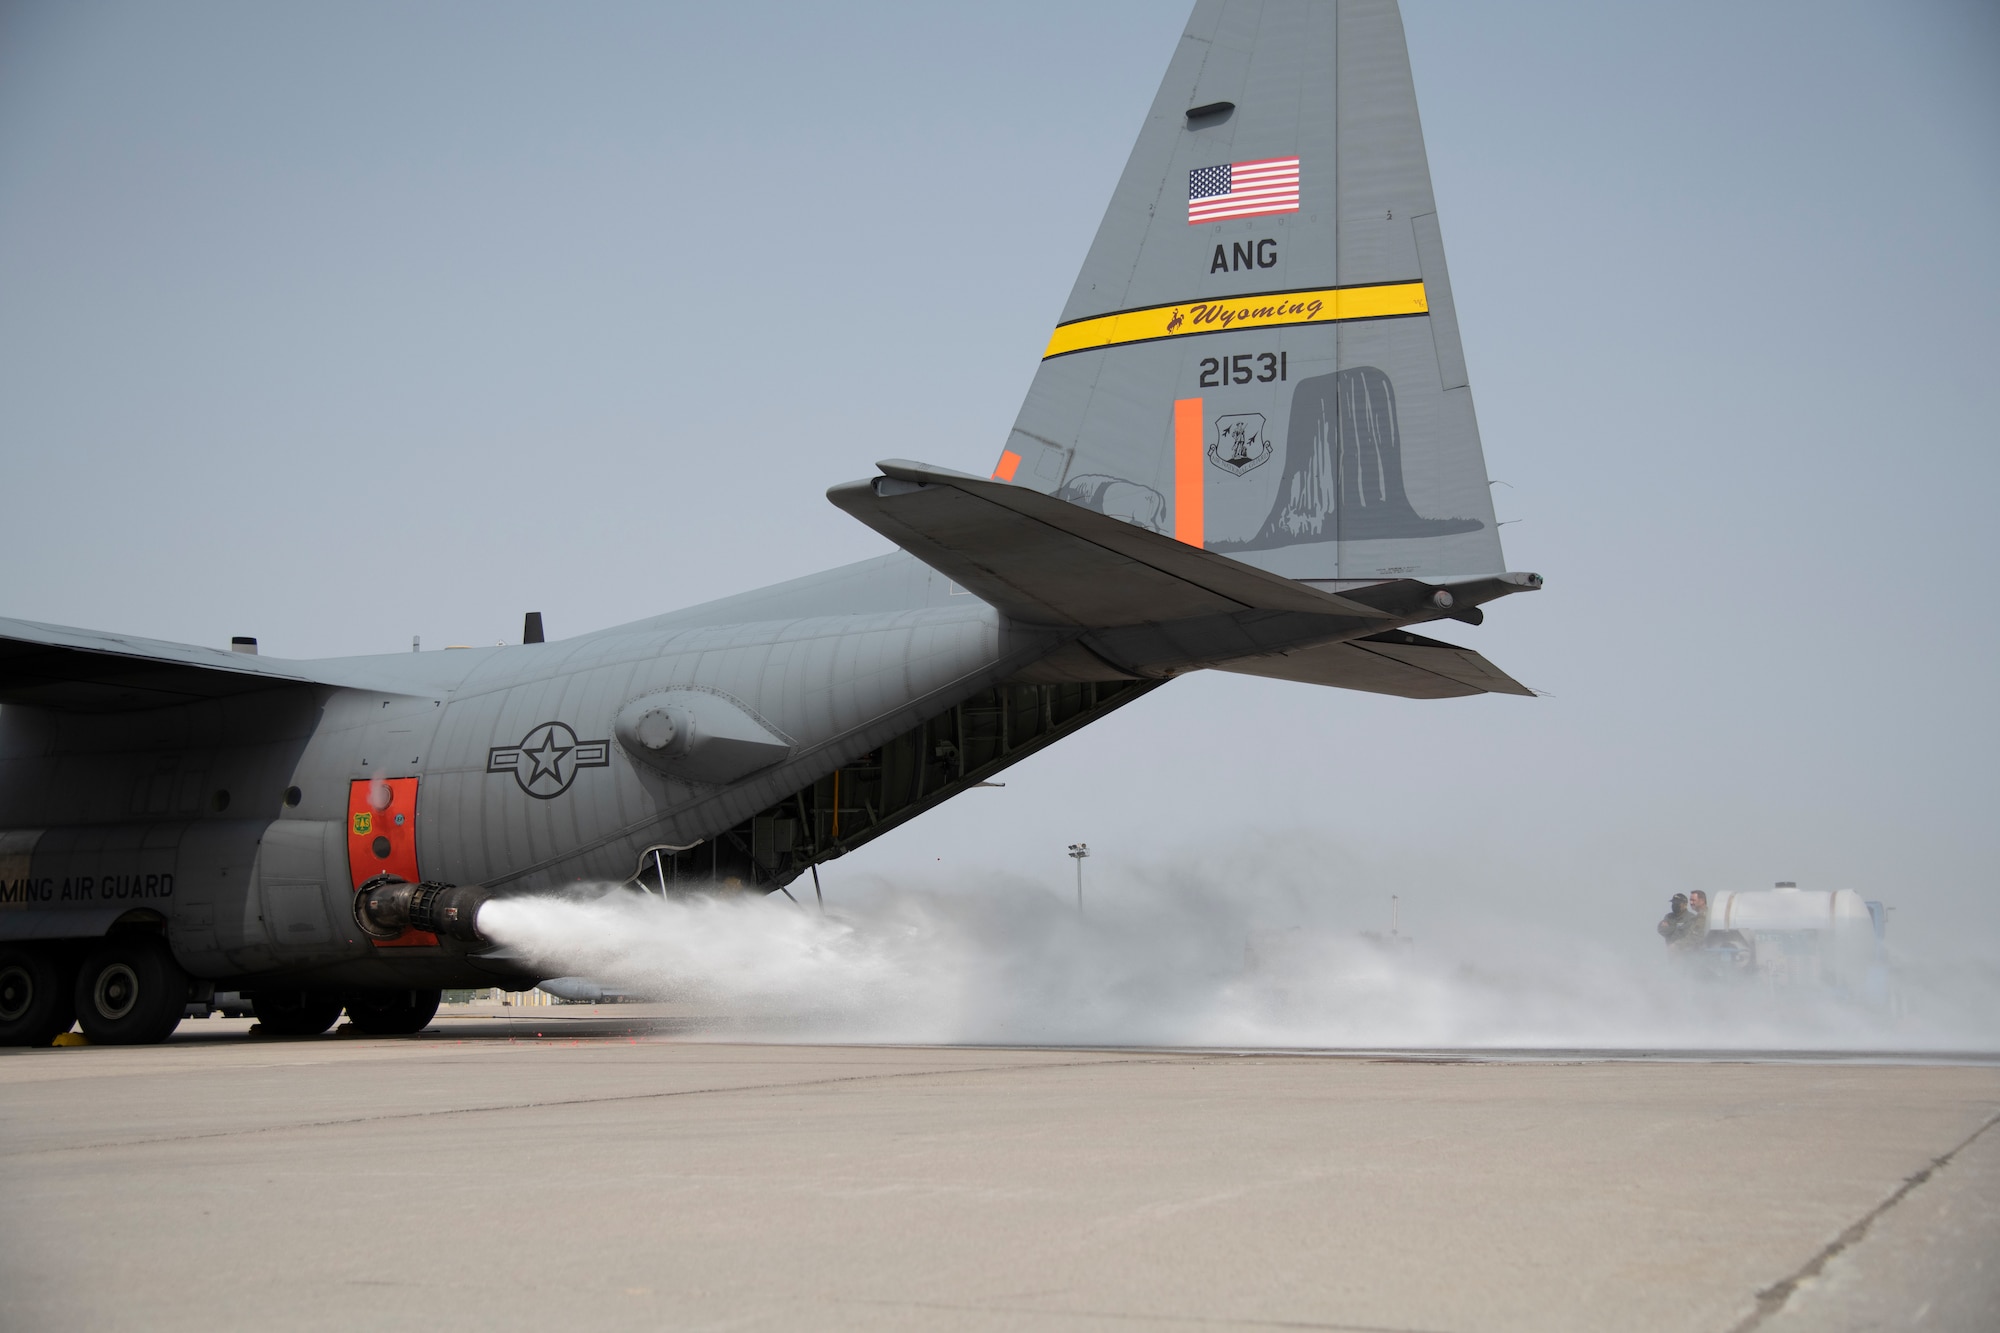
(548, 758)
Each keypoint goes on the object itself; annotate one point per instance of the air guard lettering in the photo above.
(21, 892)
(1240, 255)
(136, 886)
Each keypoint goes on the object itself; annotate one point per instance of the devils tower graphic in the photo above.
(1344, 469)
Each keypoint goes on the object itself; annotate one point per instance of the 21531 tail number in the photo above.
(1243, 368)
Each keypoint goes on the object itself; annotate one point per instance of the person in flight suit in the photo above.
(1674, 926)
(1697, 930)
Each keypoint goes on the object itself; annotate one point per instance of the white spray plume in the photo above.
(1169, 958)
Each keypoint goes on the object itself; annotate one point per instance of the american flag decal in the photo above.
(1243, 190)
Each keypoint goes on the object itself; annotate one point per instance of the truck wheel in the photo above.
(393, 1013)
(130, 991)
(37, 997)
(293, 1013)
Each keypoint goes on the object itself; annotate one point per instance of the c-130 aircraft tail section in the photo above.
(1260, 359)
(1261, 354)
(1249, 447)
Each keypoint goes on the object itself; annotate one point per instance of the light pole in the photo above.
(1077, 851)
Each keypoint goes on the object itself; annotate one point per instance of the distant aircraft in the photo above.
(583, 990)
(1249, 447)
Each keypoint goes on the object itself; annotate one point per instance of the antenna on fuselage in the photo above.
(531, 628)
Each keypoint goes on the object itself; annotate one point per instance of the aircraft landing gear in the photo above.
(37, 996)
(292, 1013)
(130, 991)
(393, 1013)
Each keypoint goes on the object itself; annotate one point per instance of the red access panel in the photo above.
(382, 839)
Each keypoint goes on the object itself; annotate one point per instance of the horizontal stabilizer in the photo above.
(1044, 561)
(1397, 662)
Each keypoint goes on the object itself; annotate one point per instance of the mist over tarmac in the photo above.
(1254, 950)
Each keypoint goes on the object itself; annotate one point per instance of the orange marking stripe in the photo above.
(1187, 471)
(1009, 460)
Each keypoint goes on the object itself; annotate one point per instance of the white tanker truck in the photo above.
(1787, 937)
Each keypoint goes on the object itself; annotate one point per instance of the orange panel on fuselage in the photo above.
(382, 839)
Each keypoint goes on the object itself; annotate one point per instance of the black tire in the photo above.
(37, 996)
(130, 991)
(292, 1013)
(393, 1013)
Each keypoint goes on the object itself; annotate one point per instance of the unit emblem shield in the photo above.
(1240, 443)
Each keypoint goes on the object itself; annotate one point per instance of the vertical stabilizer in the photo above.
(1261, 354)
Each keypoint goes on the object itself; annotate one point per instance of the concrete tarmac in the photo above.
(567, 1168)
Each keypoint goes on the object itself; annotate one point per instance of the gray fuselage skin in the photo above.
(180, 816)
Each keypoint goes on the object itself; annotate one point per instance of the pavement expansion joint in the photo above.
(1772, 1298)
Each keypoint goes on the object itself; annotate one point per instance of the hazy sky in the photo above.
(338, 324)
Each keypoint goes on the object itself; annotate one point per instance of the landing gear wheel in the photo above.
(130, 991)
(393, 1013)
(293, 1013)
(37, 996)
